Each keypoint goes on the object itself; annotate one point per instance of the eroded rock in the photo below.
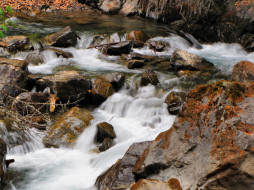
(104, 130)
(116, 79)
(175, 100)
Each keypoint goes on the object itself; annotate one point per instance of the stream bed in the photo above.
(137, 113)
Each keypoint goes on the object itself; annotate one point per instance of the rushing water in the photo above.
(137, 114)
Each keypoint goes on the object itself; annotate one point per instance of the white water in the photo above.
(136, 114)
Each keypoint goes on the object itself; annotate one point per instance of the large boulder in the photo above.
(67, 129)
(68, 86)
(152, 184)
(182, 60)
(13, 76)
(129, 7)
(175, 100)
(16, 43)
(3, 169)
(210, 145)
(64, 38)
(119, 176)
(243, 72)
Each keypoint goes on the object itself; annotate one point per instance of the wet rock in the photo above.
(144, 184)
(182, 60)
(120, 48)
(119, 176)
(68, 86)
(175, 100)
(243, 72)
(34, 58)
(31, 81)
(101, 90)
(216, 123)
(3, 169)
(114, 38)
(149, 77)
(16, 43)
(4, 53)
(30, 103)
(135, 63)
(116, 79)
(13, 76)
(160, 64)
(247, 41)
(139, 38)
(106, 144)
(158, 44)
(62, 53)
(97, 40)
(104, 130)
(67, 129)
(64, 38)
(189, 74)
(110, 6)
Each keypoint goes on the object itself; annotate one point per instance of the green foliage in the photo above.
(3, 27)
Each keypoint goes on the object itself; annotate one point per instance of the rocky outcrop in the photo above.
(16, 43)
(67, 129)
(119, 176)
(175, 100)
(68, 86)
(243, 72)
(152, 184)
(182, 60)
(210, 145)
(207, 21)
(64, 38)
(13, 76)
(149, 77)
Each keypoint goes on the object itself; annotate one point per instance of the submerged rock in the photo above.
(13, 77)
(210, 145)
(119, 176)
(64, 38)
(67, 129)
(243, 72)
(16, 43)
(175, 100)
(149, 77)
(182, 60)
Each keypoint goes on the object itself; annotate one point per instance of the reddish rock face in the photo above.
(211, 144)
(243, 72)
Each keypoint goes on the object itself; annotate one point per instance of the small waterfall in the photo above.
(20, 141)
